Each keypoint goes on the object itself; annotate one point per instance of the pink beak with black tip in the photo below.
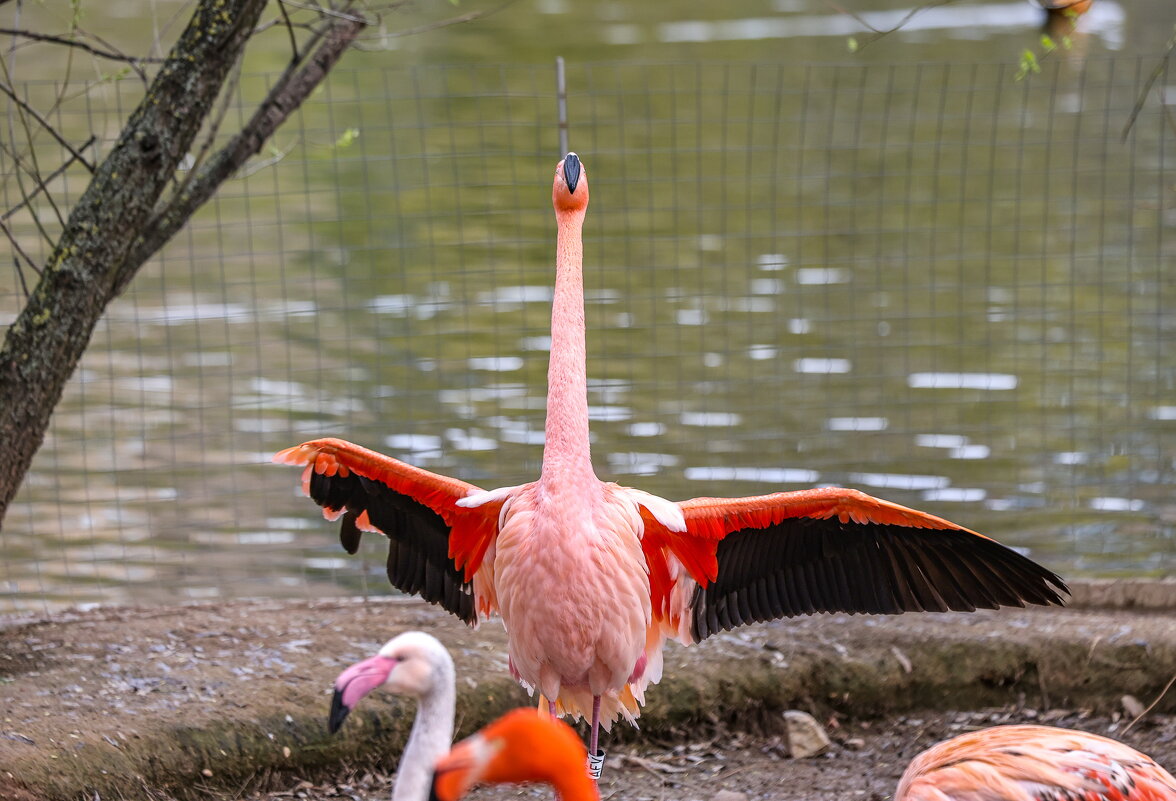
(354, 683)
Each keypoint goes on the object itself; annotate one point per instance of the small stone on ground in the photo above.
(806, 737)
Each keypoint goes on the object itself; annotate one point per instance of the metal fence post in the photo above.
(561, 93)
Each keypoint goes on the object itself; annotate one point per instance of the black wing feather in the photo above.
(418, 538)
(805, 565)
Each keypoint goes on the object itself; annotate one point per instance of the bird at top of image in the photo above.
(417, 665)
(1072, 8)
(1061, 16)
(522, 746)
(1033, 763)
(590, 577)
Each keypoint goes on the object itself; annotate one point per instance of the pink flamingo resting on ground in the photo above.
(590, 577)
(1004, 763)
(1034, 763)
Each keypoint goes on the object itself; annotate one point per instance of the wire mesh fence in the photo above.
(932, 282)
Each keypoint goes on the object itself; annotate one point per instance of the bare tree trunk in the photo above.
(117, 224)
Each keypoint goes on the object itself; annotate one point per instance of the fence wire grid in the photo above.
(935, 283)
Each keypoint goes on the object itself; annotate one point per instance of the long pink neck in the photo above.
(566, 451)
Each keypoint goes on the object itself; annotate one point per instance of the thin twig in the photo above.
(56, 104)
(443, 23)
(35, 170)
(21, 251)
(1152, 705)
(257, 166)
(326, 12)
(32, 172)
(469, 17)
(133, 64)
(1155, 74)
(177, 17)
(284, 97)
(41, 185)
(45, 124)
(24, 287)
(294, 57)
(878, 34)
(265, 26)
(8, 64)
(62, 40)
(214, 126)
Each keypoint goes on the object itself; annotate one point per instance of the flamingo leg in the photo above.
(595, 725)
(551, 708)
(595, 755)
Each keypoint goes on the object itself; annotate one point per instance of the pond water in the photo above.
(900, 269)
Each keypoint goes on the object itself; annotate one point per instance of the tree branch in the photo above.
(42, 347)
(878, 33)
(294, 86)
(327, 12)
(63, 40)
(21, 252)
(213, 128)
(41, 185)
(31, 170)
(1159, 70)
(44, 123)
(295, 56)
(443, 23)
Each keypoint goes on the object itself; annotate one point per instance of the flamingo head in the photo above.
(413, 663)
(570, 190)
(521, 746)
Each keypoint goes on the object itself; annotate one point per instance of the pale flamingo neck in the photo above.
(566, 450)
(430, 738)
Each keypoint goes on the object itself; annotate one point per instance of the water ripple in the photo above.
(900, 481)
(767, 475)
(986, 381)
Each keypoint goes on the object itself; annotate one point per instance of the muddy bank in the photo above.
(863, 762)
(218, 698)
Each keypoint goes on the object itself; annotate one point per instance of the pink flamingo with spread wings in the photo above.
(1034, 763)
(590, 577)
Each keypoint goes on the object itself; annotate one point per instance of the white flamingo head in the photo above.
(412, 663)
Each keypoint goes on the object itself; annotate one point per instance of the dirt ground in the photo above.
(864, 761)
(229, 700)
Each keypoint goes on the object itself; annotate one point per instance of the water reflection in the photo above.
(784, 260)
(900, 481)
(764, 475)
(857, 424)
(955, 495)
(995, 382)
(826, 366)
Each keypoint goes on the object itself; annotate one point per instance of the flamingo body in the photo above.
(1034, 763)
(590, 577)
(563, 640)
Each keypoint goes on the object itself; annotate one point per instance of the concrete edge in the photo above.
(1137, 594)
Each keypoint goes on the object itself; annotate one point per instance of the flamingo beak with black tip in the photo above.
(571, 167)
(354, 683)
